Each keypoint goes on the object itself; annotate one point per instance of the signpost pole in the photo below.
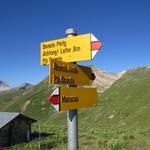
(72, 115)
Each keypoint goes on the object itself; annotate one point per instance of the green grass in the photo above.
(120, 121)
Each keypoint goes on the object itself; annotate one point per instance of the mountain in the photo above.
(24, 86)
(4, 86)
(120, 120)
(104, 79)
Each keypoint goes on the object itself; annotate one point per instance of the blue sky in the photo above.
(123, 26)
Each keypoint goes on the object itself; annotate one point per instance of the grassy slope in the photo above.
(129, 99)
(121, 119)
(37, 106)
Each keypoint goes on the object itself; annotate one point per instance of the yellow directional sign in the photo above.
(70, 49)
(69, 73)
(73, 98)
(67, 49)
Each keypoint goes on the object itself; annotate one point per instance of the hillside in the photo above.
(26, 100)
(120, 121)
(128, 99)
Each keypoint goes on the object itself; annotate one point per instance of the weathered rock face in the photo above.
(24, 86)
(104, 79)
(4, 86)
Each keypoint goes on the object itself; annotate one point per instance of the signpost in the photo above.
(73, 98)
(69, 73)
(59, 54)
(70, 49)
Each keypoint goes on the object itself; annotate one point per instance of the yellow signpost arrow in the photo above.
(69, 73)
(70, 49)
(73, 98)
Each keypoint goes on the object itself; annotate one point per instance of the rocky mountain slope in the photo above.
(4, 86)
(104, 79)
(24, 86)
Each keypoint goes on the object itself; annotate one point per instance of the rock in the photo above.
(4, 86)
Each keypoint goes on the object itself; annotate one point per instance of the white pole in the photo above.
(39, 145)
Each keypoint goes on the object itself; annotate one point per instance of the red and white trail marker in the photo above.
(54, 99)
(95, 45)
